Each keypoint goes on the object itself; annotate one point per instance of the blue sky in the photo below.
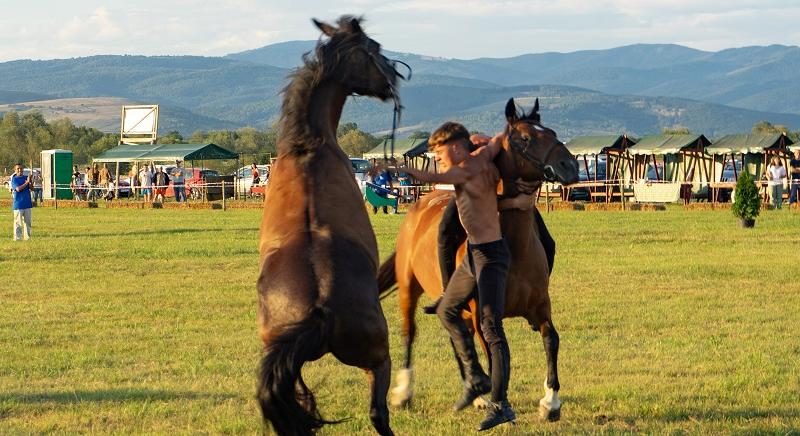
(39, 29)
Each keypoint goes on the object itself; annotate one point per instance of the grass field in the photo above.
(143, 321)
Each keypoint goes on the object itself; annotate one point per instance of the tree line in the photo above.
(23, 136)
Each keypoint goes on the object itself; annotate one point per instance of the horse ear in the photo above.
(326, 28)
(511, 112)
(355, 26)
(534, 114)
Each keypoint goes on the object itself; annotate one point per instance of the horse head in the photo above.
(532, 151)
(353, 59)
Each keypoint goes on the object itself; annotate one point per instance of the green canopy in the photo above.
(747, 143)
(164, 153)
(597, 144)
(401, 146)
(668, 144)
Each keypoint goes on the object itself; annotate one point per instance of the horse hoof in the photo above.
(551, 415)
(400, 403)
(480, 403)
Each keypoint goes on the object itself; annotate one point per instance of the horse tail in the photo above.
(387, 276)
(285, 400)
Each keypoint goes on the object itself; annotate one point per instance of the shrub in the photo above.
(747, 203)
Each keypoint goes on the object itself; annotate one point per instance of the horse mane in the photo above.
(296, 135)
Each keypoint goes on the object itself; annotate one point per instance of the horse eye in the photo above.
(526, 138)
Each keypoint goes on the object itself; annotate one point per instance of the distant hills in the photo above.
(635, 89)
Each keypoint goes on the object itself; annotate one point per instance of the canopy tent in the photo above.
(418, 150)
(599, 144)
(164, 153)
(669, 144)
(603, 158)
(401, 146)
(749, 143)
(683, 159)
(754, 150)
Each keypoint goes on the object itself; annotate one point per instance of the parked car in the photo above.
(728, 174)
(194, 180)
(651, 171)
(244, 178)
(584, 193)
(25, 172)
(360, 168)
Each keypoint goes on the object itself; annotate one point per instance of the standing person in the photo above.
(77, 186)
(178, 181)
(160, 183)
(777, 174)
(36, 176)
(105, 176)
(255, 173)
(794, 179)
(146, 182)
(88, 181)
(21, 191)
(472, 172)
(256, 177)
(384, 180)
(133, 176)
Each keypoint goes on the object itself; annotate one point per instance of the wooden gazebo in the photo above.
(609, 151)
(753, 152)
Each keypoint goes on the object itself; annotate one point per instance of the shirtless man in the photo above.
(472, 171)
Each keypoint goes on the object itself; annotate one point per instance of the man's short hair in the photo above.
(447, 132)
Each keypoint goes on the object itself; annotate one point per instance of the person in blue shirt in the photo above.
(21, 191)
(384, 181)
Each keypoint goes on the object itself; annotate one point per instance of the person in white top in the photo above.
(777, 174)
(146, 182)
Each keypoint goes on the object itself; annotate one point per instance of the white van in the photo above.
(244, 178)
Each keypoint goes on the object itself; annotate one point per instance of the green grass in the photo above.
(143, 321)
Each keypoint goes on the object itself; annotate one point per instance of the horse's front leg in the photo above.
(404, 380)
(550, 404)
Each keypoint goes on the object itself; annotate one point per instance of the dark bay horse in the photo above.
(319, 257)
(532, 153)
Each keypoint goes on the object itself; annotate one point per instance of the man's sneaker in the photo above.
(431, 309)
(473, 391)
(498, 413)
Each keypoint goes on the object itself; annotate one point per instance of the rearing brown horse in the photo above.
(532, 153)
(317, 289)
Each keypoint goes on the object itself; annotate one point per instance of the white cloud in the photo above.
(449, 28)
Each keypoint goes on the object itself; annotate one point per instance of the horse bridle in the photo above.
(547, 170)
(398, 108)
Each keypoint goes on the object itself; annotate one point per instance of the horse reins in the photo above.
(398, 108)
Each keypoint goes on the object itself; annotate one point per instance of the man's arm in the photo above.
(21, 187)
(492, 147)
(521, 202)
(454, 176)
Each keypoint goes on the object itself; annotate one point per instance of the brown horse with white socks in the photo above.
(319, 257)
(529, 152)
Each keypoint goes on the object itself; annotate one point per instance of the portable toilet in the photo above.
(56, 174)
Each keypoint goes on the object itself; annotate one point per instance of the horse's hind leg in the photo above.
(550, 405)
(379, 379)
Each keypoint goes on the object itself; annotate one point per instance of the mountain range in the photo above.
(633, 89)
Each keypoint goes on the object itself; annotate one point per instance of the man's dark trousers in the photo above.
(486, 267)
